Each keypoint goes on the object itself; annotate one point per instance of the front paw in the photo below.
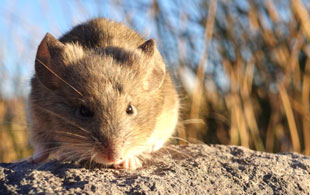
(131, 163)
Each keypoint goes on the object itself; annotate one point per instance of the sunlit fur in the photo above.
(105, 75)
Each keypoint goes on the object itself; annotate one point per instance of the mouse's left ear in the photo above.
(52, 59)
(155, 69)
(47, 71)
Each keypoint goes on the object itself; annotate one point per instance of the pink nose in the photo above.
(113, 156)
(112, 151)
(113, 159)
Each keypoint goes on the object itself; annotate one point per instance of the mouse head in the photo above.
(100, 103)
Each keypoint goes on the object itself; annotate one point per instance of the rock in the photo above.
(191, 169)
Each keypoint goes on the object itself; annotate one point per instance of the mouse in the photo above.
(100, 93)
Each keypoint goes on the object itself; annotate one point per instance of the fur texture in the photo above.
(100, 93)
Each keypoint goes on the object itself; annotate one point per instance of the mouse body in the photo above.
(100, 93)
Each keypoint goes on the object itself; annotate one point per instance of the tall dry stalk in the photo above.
(197, 96)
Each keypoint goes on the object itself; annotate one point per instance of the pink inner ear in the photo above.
(43, 53)
(43, 67)
(148, 47)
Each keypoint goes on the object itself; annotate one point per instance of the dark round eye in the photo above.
(85, 112)
(129, 109)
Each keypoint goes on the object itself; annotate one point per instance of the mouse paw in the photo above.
(130, 163)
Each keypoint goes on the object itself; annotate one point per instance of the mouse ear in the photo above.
(46, 70)
(155, 67)
(155, 77)
(148, 47)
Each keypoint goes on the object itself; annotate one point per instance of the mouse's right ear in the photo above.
(46, 68)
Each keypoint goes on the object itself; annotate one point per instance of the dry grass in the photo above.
(265, 104)
(13, 131)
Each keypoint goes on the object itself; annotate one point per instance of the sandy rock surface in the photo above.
(191, 169)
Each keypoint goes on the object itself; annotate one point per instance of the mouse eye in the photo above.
(129, 109)
(84, 112)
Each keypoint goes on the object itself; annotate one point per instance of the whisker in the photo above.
(177, 151)
(73, 134)
(181, 139)
(75, 155)
(67, 145)
(56, 75)
(166, 150)
(61, 117)
(93, 154)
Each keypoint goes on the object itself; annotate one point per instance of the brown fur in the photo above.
(104, 66)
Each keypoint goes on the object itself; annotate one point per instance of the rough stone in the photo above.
(190, 169)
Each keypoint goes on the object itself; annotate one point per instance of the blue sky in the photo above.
(23, 23)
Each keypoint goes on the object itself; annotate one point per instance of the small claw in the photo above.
(131, 163)
(138, 163)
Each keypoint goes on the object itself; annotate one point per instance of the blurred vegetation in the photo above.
(242, 69)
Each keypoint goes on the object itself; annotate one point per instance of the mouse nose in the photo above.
(111, 148)
(113, 154)
(113, 158)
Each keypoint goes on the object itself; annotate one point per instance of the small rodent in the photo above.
(100, 93)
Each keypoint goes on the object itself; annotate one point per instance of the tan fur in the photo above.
(103, 67)
(72, 53)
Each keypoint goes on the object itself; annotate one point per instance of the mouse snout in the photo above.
(110, 153)
(114, 158)
(113, 154)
